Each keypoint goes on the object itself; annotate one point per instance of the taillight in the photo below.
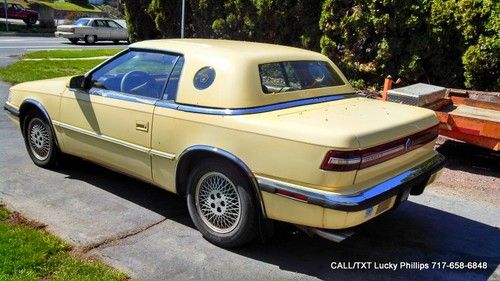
(341, 160)
(359, 159)
(72, 30)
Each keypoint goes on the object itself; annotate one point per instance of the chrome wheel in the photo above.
(218, 202)
(39, 139)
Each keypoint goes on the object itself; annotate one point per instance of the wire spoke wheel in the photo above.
(218, 202)
(39, 139)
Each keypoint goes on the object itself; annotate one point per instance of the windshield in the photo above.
(297, 75)
(81, 22)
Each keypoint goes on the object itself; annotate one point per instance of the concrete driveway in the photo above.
(147, 232)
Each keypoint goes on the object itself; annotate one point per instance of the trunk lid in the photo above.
(348, 124)
(355, 122)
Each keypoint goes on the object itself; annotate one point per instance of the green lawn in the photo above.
(23, 71)
(67, 6)
(27, 253)
(71, 53)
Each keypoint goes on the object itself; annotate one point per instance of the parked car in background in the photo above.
(16, 11)
(92, 30)
(247, 132)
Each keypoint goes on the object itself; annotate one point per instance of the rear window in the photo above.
(81, 22)
(289, 76)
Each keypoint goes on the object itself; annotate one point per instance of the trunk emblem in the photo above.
(408, 144)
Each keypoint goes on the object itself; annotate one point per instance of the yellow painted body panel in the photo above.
(112, 118)
(296, 212)
(287, 144)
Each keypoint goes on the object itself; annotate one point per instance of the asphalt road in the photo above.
(11, 46)
(147, 232)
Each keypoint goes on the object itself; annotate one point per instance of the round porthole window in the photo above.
(204, 78)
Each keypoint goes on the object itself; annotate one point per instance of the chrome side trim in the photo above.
(367, 198)
(251, 110)
(162, 154)
(121, 96)
(228, 156)
(11, 109)
(115, 141)
(102, 137)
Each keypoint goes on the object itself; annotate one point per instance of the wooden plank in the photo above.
(476, 103)
(486, 142)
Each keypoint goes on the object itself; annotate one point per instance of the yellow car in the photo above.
(247, 132)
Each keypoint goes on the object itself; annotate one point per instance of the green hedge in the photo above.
(453, 43)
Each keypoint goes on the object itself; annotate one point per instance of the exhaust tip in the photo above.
(332, 235)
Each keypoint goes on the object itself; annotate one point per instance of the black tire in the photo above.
(30, 21)
(73, 40)
(90, 39)
(237, 231)
(39, 140)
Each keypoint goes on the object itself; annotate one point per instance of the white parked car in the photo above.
(92, 30)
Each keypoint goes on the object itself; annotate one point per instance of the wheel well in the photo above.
(189, 160)
(24, 111)
(29, 107)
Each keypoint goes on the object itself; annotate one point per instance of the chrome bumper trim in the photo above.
(367, 198)
(11, 109)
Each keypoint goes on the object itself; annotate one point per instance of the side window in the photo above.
(94, 23)
(272, 77)
(135, 72)
(173, 81)
(289, 76)
(112, 24)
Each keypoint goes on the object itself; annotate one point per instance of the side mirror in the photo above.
(77, 82)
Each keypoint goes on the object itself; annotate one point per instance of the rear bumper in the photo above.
(13, 113)
(62, 34)
(306, 206)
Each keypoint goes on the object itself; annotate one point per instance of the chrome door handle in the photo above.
(142, 126)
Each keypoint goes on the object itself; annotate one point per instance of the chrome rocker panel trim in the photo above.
(370, 197)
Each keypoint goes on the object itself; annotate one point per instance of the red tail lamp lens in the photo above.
(341, 160)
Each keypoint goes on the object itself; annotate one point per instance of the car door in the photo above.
(110, 123)
(102, 30)
(12, 11)
(117, 31)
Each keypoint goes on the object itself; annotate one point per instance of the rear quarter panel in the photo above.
(270, 156)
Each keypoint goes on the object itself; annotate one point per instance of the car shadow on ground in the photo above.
(470, 158)
(412, 233)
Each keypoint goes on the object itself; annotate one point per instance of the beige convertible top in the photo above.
(237, 82)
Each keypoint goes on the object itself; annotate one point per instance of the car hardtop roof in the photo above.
(236, 81)
(228, 49)
(96, 19)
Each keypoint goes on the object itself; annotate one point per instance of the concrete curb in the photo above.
(25, 34)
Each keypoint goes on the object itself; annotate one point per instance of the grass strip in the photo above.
(63, 54)
(28, 252)
(23, 71)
